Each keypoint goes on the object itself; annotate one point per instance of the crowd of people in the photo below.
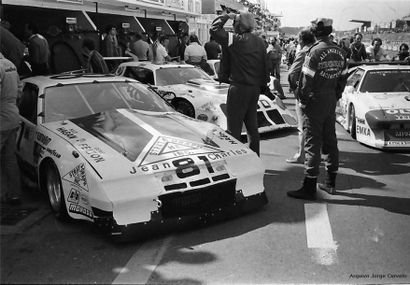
(356, 50)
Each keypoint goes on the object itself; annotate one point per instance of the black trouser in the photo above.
(319, 128)
(241, 108)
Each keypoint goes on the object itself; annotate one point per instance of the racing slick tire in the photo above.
(352, 122)
(184, 107)
(54, 189)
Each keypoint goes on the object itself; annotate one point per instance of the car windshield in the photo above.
(386, 81)
(179, 75)
(79, 100)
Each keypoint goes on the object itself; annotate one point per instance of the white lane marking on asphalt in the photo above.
(319, 234)
(143, 263)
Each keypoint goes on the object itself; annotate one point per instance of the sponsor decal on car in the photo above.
(94, 153)
(394, 134)
(399, 114)
(402, 134)
(362, 130)
(398, 143)
(360, 121)
(166, 148)
(77, 209)
(74, 196)
(42, 138)
(71, 133)
(225, 137)
(53, 152)
(77, 176)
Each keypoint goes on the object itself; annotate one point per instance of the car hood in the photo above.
(127, 140)
(389, 101)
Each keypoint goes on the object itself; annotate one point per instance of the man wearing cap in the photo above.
(244, 67)
(323, 79)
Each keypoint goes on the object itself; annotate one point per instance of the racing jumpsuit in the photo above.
(323, 79)
(244, 66)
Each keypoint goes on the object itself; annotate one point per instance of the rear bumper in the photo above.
(159, 225)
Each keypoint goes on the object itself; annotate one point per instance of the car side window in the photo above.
(141, 74)
(354, 79)
(28, 103)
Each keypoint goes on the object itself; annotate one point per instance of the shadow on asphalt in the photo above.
(398, 205)
(375, 163)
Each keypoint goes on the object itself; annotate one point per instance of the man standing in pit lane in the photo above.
(306, 40)
(323, 79)
(38, 50)
(244, 66)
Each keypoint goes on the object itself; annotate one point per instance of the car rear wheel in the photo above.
(352, 122)
(55, 193)
(185, 108)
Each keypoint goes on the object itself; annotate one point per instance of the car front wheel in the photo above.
(55, 193)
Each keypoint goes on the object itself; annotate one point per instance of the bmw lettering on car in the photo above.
(199, 96)
(375, 105)
(107, 149)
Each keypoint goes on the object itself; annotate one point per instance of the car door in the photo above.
(350, 91)
(27, 150)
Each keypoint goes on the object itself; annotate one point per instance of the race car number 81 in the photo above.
(186, 166)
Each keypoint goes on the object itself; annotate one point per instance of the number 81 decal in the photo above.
(186, 166)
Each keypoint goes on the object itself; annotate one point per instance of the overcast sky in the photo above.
(299, 13)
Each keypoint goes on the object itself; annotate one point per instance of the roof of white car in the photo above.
(67, 79)
(154, 66)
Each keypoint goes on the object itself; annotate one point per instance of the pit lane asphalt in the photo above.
(368, 222)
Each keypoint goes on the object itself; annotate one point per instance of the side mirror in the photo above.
(168, 96)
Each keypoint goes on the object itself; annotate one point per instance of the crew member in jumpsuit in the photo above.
(323, 79)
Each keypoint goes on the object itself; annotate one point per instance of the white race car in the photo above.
(375, 105)
(201, 97)
(106, 149)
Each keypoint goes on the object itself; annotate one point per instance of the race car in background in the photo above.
(375, 105)
(108, 150)
(199, 96)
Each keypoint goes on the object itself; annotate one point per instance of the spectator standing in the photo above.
(140, 47)
(111, 47)
(95, 63)
(9, 122)
(182, 44)
(345, 46)
(213, 49)
(306, 40)
(160, 50)
(403, 53)
(244, 66)
(357, 48)
(375, 52)
(38, 50)
(291, 51)
(322, 82)
(274, 59)
(194, 53)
